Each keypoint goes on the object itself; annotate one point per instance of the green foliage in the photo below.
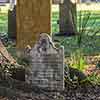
(78, 60)
(94, 78)
(3, 22)
(84, 29)
(55, 25)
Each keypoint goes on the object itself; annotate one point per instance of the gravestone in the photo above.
(47, 64)
(33, 17)
(12, 23)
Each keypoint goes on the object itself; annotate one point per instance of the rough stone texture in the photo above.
(12, 23)
(33, 17)
(47, 64)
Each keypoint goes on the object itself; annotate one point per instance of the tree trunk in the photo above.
(67, 18)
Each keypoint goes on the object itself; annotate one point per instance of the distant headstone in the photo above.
(47, 64)
(12, 23)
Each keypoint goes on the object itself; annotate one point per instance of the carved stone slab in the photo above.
(32, 18)
(47, 64)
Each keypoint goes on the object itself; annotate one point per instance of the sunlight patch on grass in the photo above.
(90, 7)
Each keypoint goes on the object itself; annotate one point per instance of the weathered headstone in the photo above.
(12, 23)
(47, 64)
(33, 17)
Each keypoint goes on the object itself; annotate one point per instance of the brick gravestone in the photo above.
(47, 64)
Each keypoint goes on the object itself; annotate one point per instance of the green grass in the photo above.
(4, 19)
(55, 18)
(3, 22)
(89, 45)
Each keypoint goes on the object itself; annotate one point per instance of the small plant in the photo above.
(94, 78)
(84, 31)
(78, 60)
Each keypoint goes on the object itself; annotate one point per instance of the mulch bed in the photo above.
(23, 91)
(83, 92)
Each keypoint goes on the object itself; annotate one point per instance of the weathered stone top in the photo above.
(47, 64)
(45, 45)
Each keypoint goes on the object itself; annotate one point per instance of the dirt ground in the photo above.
(22, 91)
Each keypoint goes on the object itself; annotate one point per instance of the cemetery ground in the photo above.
(85, 58)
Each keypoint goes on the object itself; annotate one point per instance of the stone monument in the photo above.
(12, 23)
(46, 64)
(32, 17)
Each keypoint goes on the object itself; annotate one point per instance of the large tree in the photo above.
(67, 18)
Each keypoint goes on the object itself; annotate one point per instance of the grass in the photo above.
(90, 46)
(55, 18)
(3, 22)
(4, 18)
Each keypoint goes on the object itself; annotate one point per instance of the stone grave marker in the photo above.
(32, 17)
(47, 64)
(12, 23)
